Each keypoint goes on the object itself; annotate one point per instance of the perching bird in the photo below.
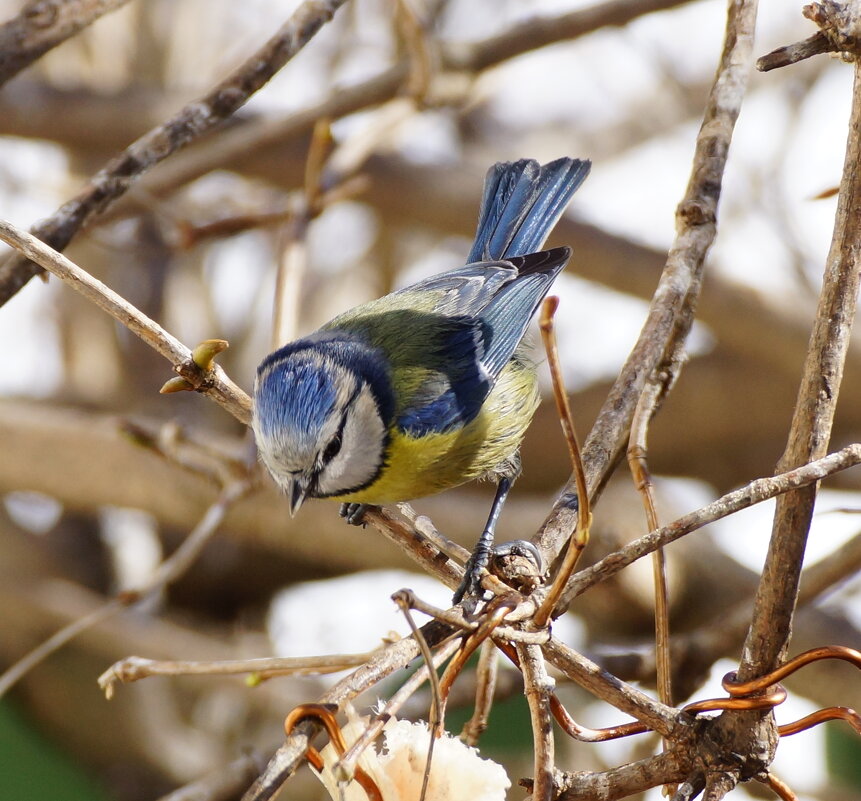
(430, 386)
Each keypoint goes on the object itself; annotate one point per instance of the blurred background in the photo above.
(87, 510)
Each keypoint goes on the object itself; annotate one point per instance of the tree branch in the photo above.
(814, 413)
(212, 381)
(41, 26)
(674, 300)
(762, 489)
(195, 119)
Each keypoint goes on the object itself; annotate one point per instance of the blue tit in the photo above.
(431, 386)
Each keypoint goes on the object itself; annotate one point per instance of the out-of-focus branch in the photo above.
(674, 300)
(212, 381)
(41, 26)
(473, 58)
(542, 31)
(812, 420)
(224, 783)
(195, 119)
(757, 491)
(166, 573)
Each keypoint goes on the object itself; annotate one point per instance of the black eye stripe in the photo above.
(334, 446)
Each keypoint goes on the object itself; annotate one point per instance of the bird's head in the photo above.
(320, 418)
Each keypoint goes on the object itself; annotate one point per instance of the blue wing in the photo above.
(453, 347)
(478, 339)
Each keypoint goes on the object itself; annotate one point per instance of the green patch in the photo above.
(33, 768)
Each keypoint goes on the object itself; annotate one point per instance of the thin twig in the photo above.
(762, 489)
(166, 573)
(435, 719)
(637, 451)
(798, 51)
(780, 788)
(812, 418)
(213, 382)
(40, 27)
(485, 685)
(135, 668)
(195, 119)
(673, 303)
(646, 408)
(538, 685)
(580, 536)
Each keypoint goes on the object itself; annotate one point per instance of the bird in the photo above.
(430, 386)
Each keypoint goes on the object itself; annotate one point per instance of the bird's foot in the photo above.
(354, 513)
(470, 591)
(518, 564)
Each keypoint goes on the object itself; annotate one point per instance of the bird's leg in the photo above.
(470, 587)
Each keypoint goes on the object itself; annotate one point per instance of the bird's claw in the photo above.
(353, 513)
(470, 591)
(523, 548)
(518, 564)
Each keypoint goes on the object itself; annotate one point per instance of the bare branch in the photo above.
(626, 780)
(792, 54)
(538, 685)
(41, 26)
(757, 491)
(135, 668)
(838, 23)
(674, 299)
(115, 178)
(604, 685)
(814, 412)
(213, 381)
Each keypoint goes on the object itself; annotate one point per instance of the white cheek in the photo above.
(361, 454)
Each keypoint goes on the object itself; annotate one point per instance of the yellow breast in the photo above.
(425, 465)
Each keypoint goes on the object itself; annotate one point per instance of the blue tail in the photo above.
(522, 202)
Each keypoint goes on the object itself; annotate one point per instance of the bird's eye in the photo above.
(332, 449)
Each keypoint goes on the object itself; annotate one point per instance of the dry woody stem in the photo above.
(671, 311)
(41, 26)
(115, 178)
(814, 413)
(213, 382)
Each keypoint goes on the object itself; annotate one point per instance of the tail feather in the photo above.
(521, 203)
